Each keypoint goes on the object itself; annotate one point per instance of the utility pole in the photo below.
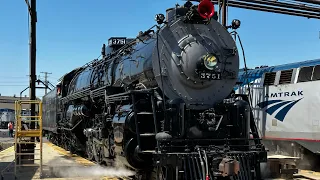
(224, 12)
(33, 21)
(32, 78)
(46, 81)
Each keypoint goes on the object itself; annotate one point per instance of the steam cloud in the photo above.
(64, 169)
(265, 171)
(91, 171)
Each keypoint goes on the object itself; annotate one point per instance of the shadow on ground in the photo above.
(7, 172)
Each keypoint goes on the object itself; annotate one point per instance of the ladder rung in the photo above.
(30, 121)
(27, 154)
(27, 142)
(29, 159)
(22, 134)
(35, 129)
(26, 165)
(33, 134)
(28, 101)
(28, 136)
(29, 133)
(29, 116)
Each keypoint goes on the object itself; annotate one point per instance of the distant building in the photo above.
(7, 102)
(7, 109)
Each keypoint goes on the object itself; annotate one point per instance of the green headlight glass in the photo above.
(210, 61)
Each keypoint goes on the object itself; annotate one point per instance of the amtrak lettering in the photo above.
(285, 94)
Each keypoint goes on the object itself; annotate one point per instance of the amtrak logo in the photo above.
(274, 105)
(285, 94)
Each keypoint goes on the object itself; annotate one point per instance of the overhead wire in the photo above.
(302, 8)
(300, 3)
(9, 85)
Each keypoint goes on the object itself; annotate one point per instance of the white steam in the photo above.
(64, 168)
(265, 171)
(91, 171)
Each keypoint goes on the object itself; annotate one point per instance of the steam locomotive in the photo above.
(161, 103)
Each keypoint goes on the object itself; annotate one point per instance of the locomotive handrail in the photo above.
(68, 129)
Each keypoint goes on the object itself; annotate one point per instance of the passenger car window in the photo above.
(285, 77)
(269, 78)
(305, 74)
(316, 73)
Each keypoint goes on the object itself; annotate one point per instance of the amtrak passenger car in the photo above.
(286, 101)
(6, 115)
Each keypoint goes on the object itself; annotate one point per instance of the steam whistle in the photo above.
(206, 9)
(103, 50)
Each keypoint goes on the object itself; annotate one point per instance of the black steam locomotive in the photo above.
(161, 103)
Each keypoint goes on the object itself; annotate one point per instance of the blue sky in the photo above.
(71, 33)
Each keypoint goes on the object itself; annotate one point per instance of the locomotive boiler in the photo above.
(161, 103)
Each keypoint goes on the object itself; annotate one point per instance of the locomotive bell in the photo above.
(206, 9)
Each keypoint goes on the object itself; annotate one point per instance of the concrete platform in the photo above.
(4, 133)
(60, 164)
(6, 142)
(309, 174)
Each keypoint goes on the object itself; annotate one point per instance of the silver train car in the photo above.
(6, 116)
(285, 101)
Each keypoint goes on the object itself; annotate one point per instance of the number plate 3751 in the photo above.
(212, 76)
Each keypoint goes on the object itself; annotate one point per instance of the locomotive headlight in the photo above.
(209, 61)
